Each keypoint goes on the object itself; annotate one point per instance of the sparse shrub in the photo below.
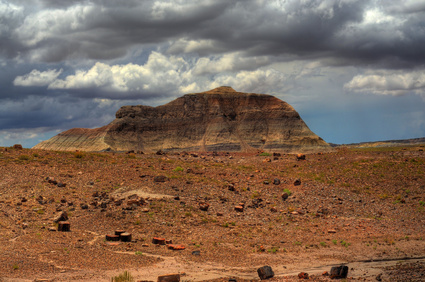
(178, 169)
(335, 242)
(273, 250)
(123, 277)
(24, 157)
(422, 203)
(384, 196)
(255, 194)
(265, 154)
(345, 244)
(15, 267)
(287, 191)
(139, 253)
(298, 243)
(323, 244)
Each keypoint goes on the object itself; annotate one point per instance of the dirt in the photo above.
(363, 208)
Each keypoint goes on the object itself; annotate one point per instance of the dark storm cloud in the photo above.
(322, 29)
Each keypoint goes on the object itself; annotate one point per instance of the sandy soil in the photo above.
(359, 207)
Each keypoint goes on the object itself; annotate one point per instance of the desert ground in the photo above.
(222, 215)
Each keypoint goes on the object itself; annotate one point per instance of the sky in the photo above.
(353, 69)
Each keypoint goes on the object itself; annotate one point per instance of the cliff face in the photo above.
(217, 120)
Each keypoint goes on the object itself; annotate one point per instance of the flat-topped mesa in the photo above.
(220, 119)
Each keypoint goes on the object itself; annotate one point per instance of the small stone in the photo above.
(114, 238)
(51, 229)
(297, 182)
(158, 241)
(239, 208)
(300, 157)
(196, 253)
(204, 206)
(231, 187)
(169, 278)
(273, 209)
(331, 231)
(119, 232)
(125, 237)
(160, 178)
(64, 226)
(276, 181)
(303, 275)
(176, 247)
(265, 272)
(285, 196)
(63, 216)
(84, 206)
(339, 272)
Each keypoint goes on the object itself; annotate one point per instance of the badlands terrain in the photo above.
(223, 215)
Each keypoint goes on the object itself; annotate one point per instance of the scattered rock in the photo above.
(239, 208)
(285, 196)
(125, 237)
(169, 278)
(119, 232)
(176, 247)
(276, 181)
(64, 226)
(303, 275)
(114, 238)
(160, 178)
(203, 206)
(300, 157)
(158, 241)
(63, 216)
(297, 182)
(339, 272)
(265, 272)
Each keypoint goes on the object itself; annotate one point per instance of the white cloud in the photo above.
(229, 62)
(37, 78)
(167, 75)
(388, 83)
(159, 73)
(55, 23)
(184, 45)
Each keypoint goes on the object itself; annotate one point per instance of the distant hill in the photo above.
(386, 143)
